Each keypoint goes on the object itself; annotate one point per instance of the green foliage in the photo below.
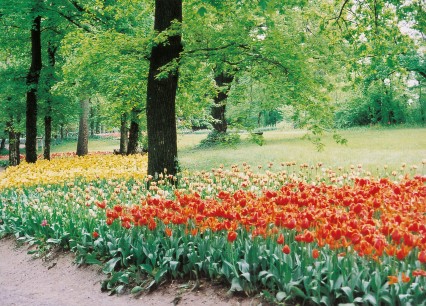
(257, 138)
(215, 138)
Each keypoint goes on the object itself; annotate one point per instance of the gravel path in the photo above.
(59, 282)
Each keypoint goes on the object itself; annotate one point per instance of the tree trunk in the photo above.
(422, 103)
(218, 110)
(132, 146)
(92, 121)
(161, 93)
(83, 129)
(51, 50)
(3, 144)
(124, 134)
(32, 83)
(14, 158)
(47, 136)
(61, 131)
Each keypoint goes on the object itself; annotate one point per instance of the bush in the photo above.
(257, 137)
(216, 138)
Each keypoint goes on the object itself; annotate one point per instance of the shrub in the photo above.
(216, 138)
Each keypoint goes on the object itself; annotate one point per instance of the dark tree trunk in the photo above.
(124, 134)
(161, 93)
(3, 144)
(47, 136)
(132, 146)
(32, 83)
(14, 158)
(51, 50)
(83, 129)
(218, 110)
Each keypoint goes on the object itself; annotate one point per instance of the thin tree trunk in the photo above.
(51, 51)
(32, 83)
(132, 146)
(92, 120)
(219, 108)
(47, 136)
(422, 103)
(83, 129)
(3, 144)
(161, 93)
(124, 134)
(14, 141)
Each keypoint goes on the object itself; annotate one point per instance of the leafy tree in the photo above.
(378, 59)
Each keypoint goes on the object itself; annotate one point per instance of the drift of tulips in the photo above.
(299, 234)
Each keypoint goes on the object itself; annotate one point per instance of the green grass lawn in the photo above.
(372, 147)
(95, 145)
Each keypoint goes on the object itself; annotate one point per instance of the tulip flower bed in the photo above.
(296, 234)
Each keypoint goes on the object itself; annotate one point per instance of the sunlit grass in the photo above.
(373, 148)
(95, 145)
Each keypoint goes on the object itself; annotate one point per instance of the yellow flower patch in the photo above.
(90, 167)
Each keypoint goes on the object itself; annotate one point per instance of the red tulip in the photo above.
(286, 249)
(232, 236)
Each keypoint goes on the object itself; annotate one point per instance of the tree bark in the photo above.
(32, 83)
(124, 134)
(161, 93)
(132, 146)
(14, 142)
(47, 136)
(219, 108)
(51, 51)
(83, 129)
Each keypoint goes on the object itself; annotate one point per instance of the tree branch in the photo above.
(341, 11)
(210, 49)
(71, 20)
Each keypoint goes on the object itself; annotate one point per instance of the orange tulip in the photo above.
(168, 231)
(392, 279)
(419, 272)
(280, 239)
(315, 254)
(405, 278)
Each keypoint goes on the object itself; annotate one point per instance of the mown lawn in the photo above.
(373, 148)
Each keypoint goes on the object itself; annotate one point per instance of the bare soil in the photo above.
(57, 281)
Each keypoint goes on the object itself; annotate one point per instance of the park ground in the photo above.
(28, 281)
(55, 281)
